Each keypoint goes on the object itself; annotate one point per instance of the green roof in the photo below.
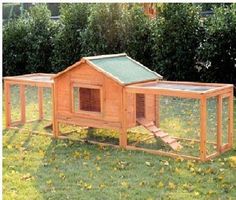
(123, 68)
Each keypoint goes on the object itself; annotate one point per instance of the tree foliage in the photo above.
(68, 40)
(27, 42)
(179, 43)
(177, 35)
(15, 47)
(217, 54)
(137, 33)
(103, 34)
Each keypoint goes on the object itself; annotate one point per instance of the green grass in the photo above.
(38, 167)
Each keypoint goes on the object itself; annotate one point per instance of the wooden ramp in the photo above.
(158, 133)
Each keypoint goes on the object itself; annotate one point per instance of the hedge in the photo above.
(179, 44)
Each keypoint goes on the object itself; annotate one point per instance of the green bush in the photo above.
(42, 31)
(67, 42)
(27, 42)
(136, 30)
(15, 47)
(177, 35)
(217, 54)
(103, 32)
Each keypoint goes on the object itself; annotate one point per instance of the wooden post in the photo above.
(22, 103)
(40, 102)
(203, 130)
(157, 111)
(123, 130)
(219, 123)
(55, 124)
(7, 103)
(231, 116)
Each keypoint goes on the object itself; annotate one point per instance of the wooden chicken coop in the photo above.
(119, 93)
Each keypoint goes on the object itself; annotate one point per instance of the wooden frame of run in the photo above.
(22, 82)
(220, 91)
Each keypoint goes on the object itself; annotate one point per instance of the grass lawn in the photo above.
(38, 167)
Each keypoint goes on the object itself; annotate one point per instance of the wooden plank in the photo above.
(164, 92)
(22, 103)
(162, 153)
(7, 103)
(157, 120)
(194, 83)
(30, 83)
(55, 124)
(123, 131)
(218, 92)
(40, 102)
(150, 107)
(219, 123)
(231, 119)
(213, 155)
(203, 126)
(215, 90)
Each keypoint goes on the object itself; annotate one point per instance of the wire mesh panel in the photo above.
(180, 118)
(211, 139)
(31, 98)
(179, 126)
(47, 103)
(225, 120)
(15, 102)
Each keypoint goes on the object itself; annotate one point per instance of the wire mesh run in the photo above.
(28, 105)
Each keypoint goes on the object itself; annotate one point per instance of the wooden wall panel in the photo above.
(112, 100)
(140, 105)
(84, 74)
(150, 107)
(131, 110)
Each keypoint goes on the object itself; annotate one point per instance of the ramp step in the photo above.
(168, 139)
(153, 129)
(160, 134)
(175, 146)
(145, 122)
(149, 125)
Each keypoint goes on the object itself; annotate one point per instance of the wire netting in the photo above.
(225, 120)
(211, 137)
(15, 103)
(31, 103)
(47, 103)
(180, 119)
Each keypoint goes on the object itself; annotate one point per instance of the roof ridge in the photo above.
(105, 56)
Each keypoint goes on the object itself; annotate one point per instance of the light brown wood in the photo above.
(118, 103)
(150, 107)
(40, 102)
(22, 103)
(123, 131)
(7, 103)
(162, 153)
(219, 123)
(55, 123)
(203, 126)
(29, 83)
(231, 119)
(165, 92)
(157, 120)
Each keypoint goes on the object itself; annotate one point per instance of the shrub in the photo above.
(137, 34)
(67, 49)
(218, 51)
(27, 42)
(103, 33)
(177, 36)
(15, 47)
(42, 30)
